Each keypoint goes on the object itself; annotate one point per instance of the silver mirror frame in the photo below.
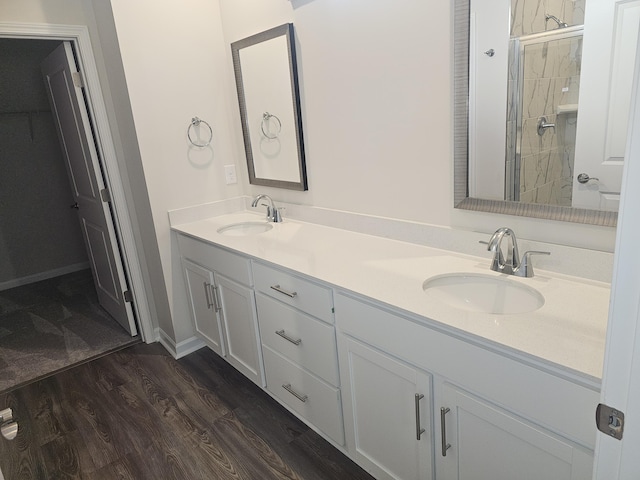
(461, 146)
(282, 30)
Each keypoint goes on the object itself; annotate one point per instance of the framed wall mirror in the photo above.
(267, 84)
(542, 92)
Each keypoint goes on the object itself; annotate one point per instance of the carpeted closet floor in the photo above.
(51, 325)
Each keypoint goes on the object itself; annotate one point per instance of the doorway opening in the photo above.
(45, 279)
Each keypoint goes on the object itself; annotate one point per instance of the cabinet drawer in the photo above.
(206, 255)
(307, 296)
(309, 342)
(316, 401)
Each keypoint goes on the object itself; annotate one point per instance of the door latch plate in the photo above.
(610, 421)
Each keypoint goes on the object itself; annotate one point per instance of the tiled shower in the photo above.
(544, 80)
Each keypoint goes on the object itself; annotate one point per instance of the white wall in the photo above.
(376, 86)
(375, 81)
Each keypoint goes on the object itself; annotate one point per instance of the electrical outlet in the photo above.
(230, 174)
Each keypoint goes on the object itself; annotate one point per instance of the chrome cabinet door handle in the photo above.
(295, 341)
(216, 298)
(299, 396)
(443, 428)
(284, 292)
(419, 430)
(207, 295)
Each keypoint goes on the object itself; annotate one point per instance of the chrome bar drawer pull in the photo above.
(284, 292)
(419, 430)
(302, 398)
(295, 341)
(207, 295)
(443, 428)
(216, 299)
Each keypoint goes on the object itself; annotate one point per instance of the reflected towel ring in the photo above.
(195, 122)
(266, 119)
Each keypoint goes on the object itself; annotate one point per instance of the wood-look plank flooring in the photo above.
(139, 414)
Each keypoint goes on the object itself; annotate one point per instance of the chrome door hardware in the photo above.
(207, 290)
(419, 430)
(490, 53)
(610, 421)
(585, 178)
(543, 125)
(295, 341)
(9, 428)
(6, 415)
(443, 429)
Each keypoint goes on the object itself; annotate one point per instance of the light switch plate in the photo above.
(230, 174)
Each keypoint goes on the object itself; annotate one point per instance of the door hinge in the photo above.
(610, 421)
(77, 79)
(105, 195)
(128, 296)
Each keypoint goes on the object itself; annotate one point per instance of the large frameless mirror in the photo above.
(267, 84)
(542, 94)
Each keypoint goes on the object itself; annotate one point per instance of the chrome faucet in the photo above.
(511, 265)
(273, 213)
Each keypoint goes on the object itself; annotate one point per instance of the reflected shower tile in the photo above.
(527, 197)
(535, 95)
(517, 13)
(544, 194)
(533, 171)
(555, 159)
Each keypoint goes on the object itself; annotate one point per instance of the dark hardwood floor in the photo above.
(139, 414)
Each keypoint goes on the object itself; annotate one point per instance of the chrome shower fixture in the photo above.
(560, 23)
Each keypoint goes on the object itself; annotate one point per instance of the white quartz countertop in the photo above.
(567, 332)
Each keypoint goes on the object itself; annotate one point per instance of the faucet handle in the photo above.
(277, 214)
(526, 267)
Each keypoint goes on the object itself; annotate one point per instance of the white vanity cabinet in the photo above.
(299, 347)
(222, 303)
(487, 442)
(519, 422)
(388, 413)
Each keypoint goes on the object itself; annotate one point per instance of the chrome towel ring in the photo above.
(195, 122)
(265, 126)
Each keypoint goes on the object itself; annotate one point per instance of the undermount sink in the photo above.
(245, 228)
(483, 293)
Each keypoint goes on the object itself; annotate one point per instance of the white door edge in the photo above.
(79, 36)
(618, 459)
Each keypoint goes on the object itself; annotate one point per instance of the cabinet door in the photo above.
(488, 443)
(199, 282)
(238, 313)
(387, 404)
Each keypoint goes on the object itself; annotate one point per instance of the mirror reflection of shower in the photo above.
(559, 22)
(542, 109)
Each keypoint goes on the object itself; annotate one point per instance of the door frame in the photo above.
(78, 35)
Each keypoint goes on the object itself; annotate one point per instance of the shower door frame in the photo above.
(512, 178)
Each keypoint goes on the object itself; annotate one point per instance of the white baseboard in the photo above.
(180, 349)
(37, 277)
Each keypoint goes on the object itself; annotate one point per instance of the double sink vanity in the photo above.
(416, 362)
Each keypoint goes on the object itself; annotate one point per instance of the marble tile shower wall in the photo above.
(551, 79)
(528, 16)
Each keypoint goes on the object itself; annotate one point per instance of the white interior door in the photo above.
(608, 60)
(81, 158)
(619, 459)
